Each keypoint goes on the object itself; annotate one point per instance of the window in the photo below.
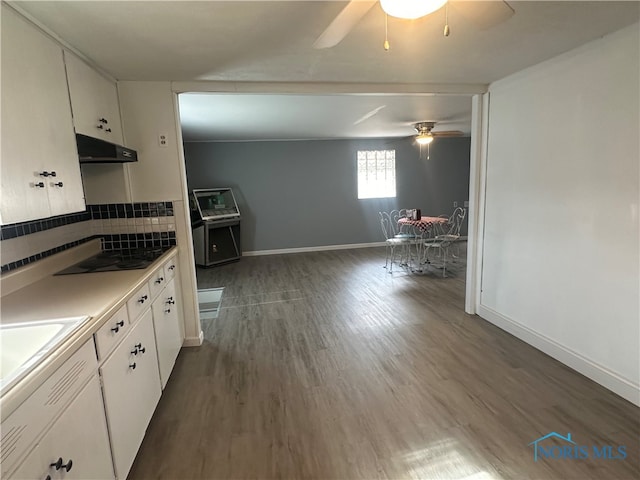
(376, 173)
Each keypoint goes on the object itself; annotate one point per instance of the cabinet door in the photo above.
(37, 130)
(131, 385)
(167, 330)
(79, 436)
(94, 101)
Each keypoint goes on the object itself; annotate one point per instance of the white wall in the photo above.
(561, 259)
(148, 110)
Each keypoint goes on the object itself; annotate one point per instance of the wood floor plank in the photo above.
(324, 366)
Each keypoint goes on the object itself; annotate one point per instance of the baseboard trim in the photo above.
(596, 372)
(321, 248)
(193, 341)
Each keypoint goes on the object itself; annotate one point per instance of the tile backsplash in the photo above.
(131, 210)
(134, 225)
(26, 228)
(120, 225)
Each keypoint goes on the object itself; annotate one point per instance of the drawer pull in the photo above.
(171, 267)
(39, 185)
(47, 174)
(160, 280)
(117, 327)
(142, 299)
(168, 310)
(139, 349)
(58, 465)
(132, 366)
(170, 301)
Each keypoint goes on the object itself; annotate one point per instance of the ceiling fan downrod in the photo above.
(447, 31)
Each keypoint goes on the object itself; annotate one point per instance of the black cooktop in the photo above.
(114, 260)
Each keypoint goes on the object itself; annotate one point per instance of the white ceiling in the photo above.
(207, 117)
(271, 41)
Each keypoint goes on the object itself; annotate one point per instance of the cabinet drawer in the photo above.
(131, 384)
(138, 303)
(170, 268)
(112, 332)
(157, 282)
(23, 426)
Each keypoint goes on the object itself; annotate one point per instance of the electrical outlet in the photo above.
(162, 140)
(455, 204)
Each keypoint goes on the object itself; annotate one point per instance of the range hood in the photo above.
(94, 150)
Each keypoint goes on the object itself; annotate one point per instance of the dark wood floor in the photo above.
(322, 365)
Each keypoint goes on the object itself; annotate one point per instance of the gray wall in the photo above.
(304, 193)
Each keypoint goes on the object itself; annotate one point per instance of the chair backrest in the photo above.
(457, 218)
(395, 216)
(386, 224)
(454, 224)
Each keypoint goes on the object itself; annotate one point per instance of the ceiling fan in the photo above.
(425, 135)
(484, 14)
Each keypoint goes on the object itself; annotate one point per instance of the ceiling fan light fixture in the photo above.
(411, 9)
(424, 138)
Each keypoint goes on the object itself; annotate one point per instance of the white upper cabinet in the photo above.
(40, 173)
(94, 101)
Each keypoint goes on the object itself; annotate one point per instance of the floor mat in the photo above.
(209, 300)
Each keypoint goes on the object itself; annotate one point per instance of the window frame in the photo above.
(376, 163)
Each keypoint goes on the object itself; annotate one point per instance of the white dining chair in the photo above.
(399, 242)
(442, 243)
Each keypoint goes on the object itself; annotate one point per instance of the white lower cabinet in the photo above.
(167, 330)
(131, 390)
(76, 446)
(72, 427)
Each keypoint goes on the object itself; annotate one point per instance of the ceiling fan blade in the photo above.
(448, 133)
(343, 23)
(484, 14)
(368, 115)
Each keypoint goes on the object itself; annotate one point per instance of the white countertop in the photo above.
(98, 295)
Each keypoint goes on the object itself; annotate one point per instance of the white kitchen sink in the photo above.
(24, 345)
